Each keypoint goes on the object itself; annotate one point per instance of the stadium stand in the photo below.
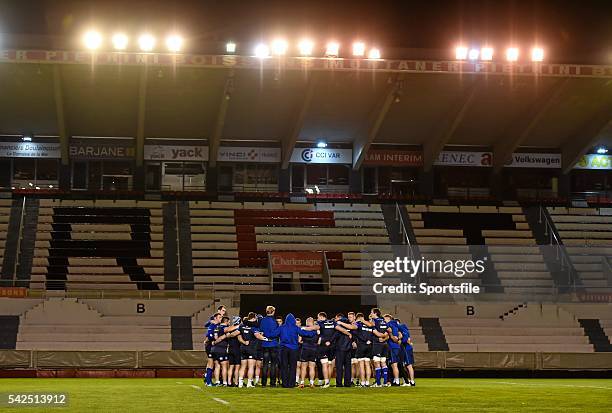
(533, 328)
(587, 236)
(82, 245)
(447, 232)
(5, 215)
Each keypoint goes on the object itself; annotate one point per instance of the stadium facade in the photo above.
(142, 190)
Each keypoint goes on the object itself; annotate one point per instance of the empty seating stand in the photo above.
(5, 214)
(532, 328)
(587, 236)
(110, 245)
(214, 243)
(445, 232)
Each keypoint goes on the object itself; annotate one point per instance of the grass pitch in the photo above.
(440, 395)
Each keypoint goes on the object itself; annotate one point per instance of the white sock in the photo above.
(326, 381)
(301, 381)
(396, 381)
(240, 382)
(318, 382)
(256, 379)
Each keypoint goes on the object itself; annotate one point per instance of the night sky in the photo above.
(576, 30)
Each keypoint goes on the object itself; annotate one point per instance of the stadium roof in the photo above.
(565, 108)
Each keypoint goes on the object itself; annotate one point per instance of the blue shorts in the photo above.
(394, 355)
(408, 355)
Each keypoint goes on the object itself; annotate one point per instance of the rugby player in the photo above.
(248, 337)
(211, 325)
(407, 351)
(268, 326)
(379, 347)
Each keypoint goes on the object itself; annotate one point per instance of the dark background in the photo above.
(573, 31)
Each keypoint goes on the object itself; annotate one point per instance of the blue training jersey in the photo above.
(403, 328)
(380, 325)
(395, 332)
(327, 329)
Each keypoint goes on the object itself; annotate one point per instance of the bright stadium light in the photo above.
(305, 47)
(332, 49)
(473, 54)
(322, 143)
(146, 42)
(461, 52)
(120, 41)
(92, 39)
(230, 47)
(486, 53)
(359, 49)
(279, 47)
(602, 150)
(537, 54)
(174, 43)
(262, 50)
(374, 53)
(512, 54)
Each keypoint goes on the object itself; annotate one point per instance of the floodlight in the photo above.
(461, 52)
(230, 47)
(374, 53)
(306, 47)
(537, 54)
(92, 39)
(486, 53)
(262, 50)
(174, 43)
(512, 54)
(332, 49)
(359, 49)
(473, 54)
(146, 42)
(279, 47)
(120, 41)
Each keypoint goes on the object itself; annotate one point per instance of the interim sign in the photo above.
(390, 157)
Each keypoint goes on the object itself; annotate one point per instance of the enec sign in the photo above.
(297, 261)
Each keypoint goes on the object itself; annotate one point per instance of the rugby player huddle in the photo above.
(245, 352)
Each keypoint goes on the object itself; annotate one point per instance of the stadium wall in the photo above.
(32, 363)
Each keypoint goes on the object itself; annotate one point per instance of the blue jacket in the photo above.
(289, 333)
(269, 328)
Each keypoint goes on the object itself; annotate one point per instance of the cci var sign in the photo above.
(322, 155)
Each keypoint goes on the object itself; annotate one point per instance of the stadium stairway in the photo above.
(10, 227)
(556, 258)
(28, 240)
(171, 261)
(185, 246)
(181, 333)
(9, 326)
(436, 341)
(597, 336)
(586, 234)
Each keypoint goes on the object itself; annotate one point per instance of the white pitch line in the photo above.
(558, 385)
(218, 400)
